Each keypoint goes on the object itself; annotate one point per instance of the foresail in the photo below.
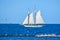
(39, 19)
(31, 19)
(26, 20)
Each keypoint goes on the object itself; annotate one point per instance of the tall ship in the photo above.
(34, 20)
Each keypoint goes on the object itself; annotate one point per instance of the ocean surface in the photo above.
(20, 29)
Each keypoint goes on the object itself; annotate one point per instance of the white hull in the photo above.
(35, 26)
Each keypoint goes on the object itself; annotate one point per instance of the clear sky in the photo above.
(15, 11)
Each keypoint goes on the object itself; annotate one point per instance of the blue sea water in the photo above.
(20, 29)
(29, 38)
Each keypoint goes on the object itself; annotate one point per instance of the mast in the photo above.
(35, 19)
(28, 18)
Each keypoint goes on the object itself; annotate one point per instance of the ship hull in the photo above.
(26, 25)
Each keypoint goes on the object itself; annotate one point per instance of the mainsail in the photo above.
(29, 19)
(39, 19)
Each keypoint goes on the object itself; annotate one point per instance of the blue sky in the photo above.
(15, 11)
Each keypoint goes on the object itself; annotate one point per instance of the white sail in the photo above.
(39, 19)
(31, 19)
(26, 20)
